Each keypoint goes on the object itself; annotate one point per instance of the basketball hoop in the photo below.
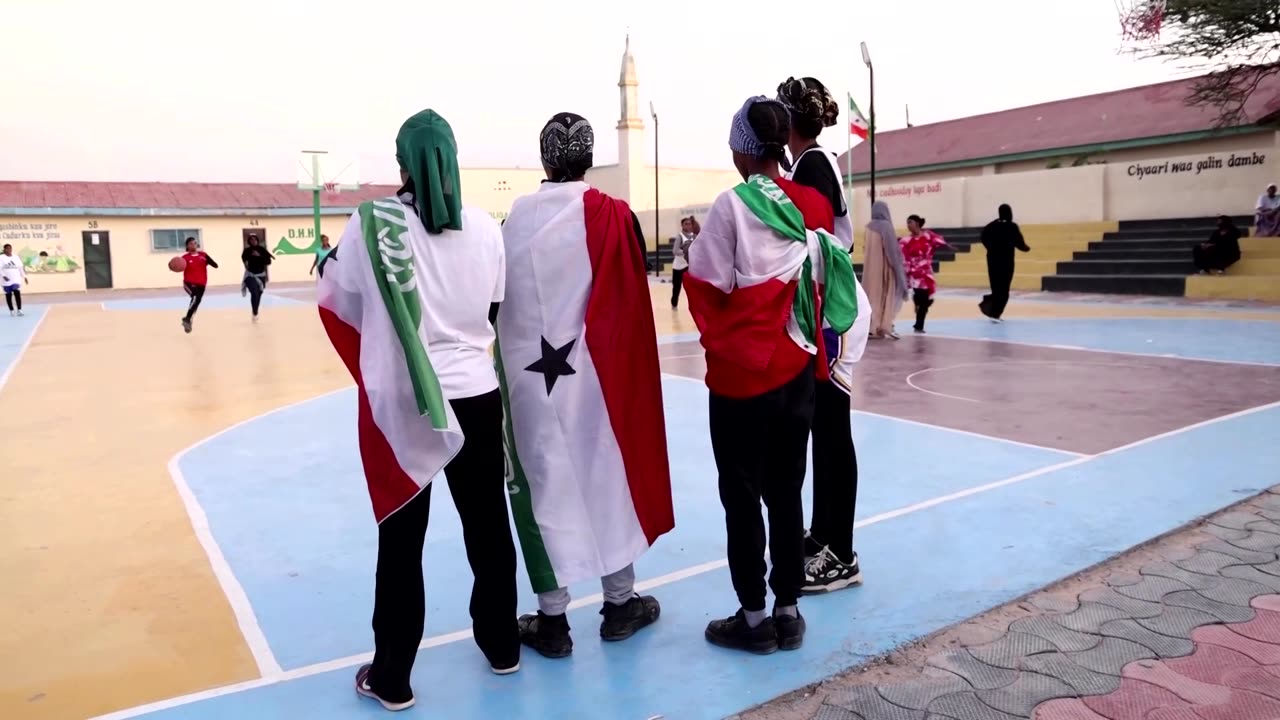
(1141, 19)
(331, 187)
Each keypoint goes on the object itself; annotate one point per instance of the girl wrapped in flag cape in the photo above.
(406, 301)
(761, 283)
(586, 440)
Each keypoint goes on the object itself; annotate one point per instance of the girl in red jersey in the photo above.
(917, 253)
(195, 276)
(755, 278)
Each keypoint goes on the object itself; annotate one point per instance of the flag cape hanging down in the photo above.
(804, 280)
(577, 358)
(371, 310)
(858, 124)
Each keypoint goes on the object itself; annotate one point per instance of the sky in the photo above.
(226, 91)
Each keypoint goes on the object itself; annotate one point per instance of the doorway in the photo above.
(97, 259)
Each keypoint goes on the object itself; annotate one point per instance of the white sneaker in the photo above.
(19, 313)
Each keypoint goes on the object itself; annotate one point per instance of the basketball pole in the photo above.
(315, 196)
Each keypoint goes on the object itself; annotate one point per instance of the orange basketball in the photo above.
(177, 263)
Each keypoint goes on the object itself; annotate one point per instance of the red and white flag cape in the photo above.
(577, 357)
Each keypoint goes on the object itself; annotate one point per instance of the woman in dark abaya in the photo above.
(1000, 237)
(1220, 251)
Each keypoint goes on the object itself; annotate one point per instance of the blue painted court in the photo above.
(952, 522)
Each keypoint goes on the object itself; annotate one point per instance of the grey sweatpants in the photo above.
(618, 588)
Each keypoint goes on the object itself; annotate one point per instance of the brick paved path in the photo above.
(1193, 637)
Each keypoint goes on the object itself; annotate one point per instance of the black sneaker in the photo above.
(363, 688)
(734, 633)
(790, 630)
(824, 573)
(186, 324)
(548, 634)
(622, 621)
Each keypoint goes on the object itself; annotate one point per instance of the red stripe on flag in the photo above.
(623, 344)
(390, 487)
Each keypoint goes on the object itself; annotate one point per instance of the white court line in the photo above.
(17, 357)
(931, 426)
(268, 666)
(438, 640)
(1164, 356)
(911, 378)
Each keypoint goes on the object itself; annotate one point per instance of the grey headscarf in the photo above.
(882, 224)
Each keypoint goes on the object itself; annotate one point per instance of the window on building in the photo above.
(172, 240)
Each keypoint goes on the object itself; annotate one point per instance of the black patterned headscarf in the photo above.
(567, 142)
(811, 105)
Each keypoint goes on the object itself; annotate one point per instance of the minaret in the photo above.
(631, 144)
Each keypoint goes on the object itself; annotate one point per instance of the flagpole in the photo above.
(848, 154)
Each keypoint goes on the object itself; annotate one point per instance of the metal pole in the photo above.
(657, 205)
(872, 132)
(315, 197)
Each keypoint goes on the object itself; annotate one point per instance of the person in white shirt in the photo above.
(680, 256)
(455, 266)
(12, 277)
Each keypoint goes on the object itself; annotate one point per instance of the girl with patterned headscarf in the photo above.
(762, 281)
(830, 560)
(406, 298)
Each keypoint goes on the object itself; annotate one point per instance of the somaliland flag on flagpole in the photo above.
(587, 468)
(858, 124)
(371, 309)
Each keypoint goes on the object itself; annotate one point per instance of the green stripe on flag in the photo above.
(386, 229)
(541, 574)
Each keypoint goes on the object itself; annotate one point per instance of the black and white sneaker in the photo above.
(824, 573)
(790, 630)
(363, 689)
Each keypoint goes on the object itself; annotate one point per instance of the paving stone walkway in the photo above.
(1194, 637)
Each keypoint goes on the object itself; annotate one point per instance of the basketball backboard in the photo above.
(320, 170)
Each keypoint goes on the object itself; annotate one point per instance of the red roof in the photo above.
(1129, 114)
(176, 196)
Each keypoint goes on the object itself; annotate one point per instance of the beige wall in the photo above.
(1155, 185)
(494, 189)
(1248, 141)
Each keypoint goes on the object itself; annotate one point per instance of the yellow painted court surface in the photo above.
(109, 599)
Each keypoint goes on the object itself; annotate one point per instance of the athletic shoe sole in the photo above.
(505, 671)
(833, 586)
(393, 707)
(755, 648)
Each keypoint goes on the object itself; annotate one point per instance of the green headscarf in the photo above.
(426, 150)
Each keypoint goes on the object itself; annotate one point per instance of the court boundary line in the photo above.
(237, 598)
(931, 426)
(22, 349)
(910, 380)
(1165, 356)
(692, 571)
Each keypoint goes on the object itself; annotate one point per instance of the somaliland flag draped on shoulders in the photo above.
(371, 309)
(758, 276)
(587, 466)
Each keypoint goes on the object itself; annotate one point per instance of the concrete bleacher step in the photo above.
(1021, 281)
(1158, 233)
(1104, 266)
(1177, 253)
(1234, 286)
(1164, 285)
(1197, 222)
(1148, 243)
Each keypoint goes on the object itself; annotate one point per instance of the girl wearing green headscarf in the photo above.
(414, 278)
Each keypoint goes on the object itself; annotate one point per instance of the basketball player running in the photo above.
(195, 276)
(12, 275)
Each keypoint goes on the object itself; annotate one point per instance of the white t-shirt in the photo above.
(460, 272)
(11, 270)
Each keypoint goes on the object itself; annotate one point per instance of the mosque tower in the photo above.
(631, 144)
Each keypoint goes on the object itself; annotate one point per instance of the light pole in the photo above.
(657, 237)
(871, 133)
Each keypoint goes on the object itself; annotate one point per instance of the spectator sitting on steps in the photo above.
(1220, 251)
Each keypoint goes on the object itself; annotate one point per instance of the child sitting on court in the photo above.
(917, 253)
